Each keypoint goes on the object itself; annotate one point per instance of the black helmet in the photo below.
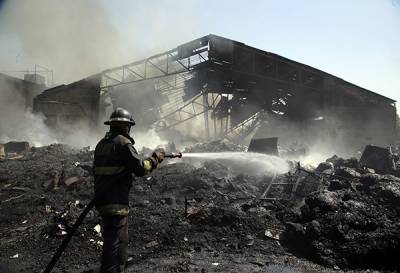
(120, 115)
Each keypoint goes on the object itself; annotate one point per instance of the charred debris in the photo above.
(343, 214)
(339, 215)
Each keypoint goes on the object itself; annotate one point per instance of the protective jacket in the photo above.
(115, 160)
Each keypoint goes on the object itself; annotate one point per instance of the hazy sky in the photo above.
(356, 40)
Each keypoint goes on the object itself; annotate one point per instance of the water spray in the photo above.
(246, 161)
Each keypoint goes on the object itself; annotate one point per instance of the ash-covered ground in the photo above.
(204, 218)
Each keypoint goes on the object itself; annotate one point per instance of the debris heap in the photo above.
(215, 146)
(352, 222)
(202, 219)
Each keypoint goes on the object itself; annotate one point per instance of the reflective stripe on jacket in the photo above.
(113, 209)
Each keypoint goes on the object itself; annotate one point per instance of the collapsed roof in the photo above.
(236, 88)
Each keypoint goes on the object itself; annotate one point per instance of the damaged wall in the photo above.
(72, 103)
(367, 117)
(309, 101)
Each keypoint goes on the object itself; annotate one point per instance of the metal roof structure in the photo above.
(224, 76)
(235, 87)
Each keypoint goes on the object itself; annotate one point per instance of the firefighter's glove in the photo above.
(158, 155)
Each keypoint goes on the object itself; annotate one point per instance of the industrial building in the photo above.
(234, 91)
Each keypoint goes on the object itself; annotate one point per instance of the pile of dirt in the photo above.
(352, 222)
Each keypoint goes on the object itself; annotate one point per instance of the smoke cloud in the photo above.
(77, 39)
(19, 123)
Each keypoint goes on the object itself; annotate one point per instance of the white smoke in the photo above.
(19, 123)
(149, 139)
(76, 39)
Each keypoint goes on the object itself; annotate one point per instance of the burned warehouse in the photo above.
(234, 91)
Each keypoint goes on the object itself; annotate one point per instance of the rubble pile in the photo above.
(39, 200)
(183, 209)
(49, 167)
(199, 219)
(216, 146)
(179, 210)
(352, 222)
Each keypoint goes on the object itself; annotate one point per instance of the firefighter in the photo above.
(115, 160)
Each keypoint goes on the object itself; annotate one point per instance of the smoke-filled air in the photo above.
(17, 122)
(75, 39)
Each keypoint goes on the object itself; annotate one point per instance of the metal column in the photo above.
(205, 103)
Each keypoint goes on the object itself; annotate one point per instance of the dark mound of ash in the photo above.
(185, 218)
(183, 209)
(352, 222)
(215, 146)
(40, 193)
(49, 167)
(178, 209)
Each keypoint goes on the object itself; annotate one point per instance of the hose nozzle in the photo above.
(173, 155)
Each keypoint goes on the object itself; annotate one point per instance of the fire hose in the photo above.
(79, 221)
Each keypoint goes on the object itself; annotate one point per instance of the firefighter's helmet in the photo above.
(120, 115)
